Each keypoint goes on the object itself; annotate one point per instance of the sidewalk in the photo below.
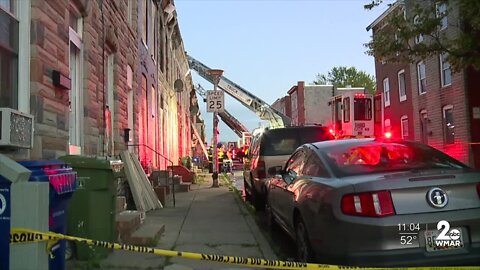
(205, 220)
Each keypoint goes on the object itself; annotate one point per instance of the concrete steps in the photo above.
(133, 229)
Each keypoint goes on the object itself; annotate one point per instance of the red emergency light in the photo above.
(359, 95)
(388, 135)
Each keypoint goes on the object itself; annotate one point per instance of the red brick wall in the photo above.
(301, 102)
(473, 98)
(397, 109)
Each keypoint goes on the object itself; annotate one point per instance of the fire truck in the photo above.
(356, 115)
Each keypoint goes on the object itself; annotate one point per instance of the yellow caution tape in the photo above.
(18, 236)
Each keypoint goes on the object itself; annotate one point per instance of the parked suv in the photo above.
(272, 148)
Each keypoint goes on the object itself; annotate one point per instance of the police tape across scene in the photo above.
(25, 236)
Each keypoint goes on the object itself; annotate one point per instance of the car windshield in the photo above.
(375, 157)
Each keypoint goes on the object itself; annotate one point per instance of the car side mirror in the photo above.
(275, 170)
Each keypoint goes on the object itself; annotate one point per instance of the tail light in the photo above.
(261, 171)
(370, 204)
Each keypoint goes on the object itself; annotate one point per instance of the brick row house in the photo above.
(97, 76)
(425, 101)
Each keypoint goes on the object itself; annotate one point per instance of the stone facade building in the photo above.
(97, 76)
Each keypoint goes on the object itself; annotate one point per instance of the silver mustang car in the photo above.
(368, 202)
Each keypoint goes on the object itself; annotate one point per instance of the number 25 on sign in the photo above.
(215, 101)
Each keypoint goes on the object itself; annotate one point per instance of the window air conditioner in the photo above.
(16, 129)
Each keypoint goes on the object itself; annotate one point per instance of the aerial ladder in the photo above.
(226, 117)
(262, 109)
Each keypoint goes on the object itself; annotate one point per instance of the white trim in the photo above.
(442, 77)
(24, 16)
(386, 92)
(444, 118)
(419, 84)
(402, 97)
(442, 26)
(446, 107)
(402, 128)
(418, 38)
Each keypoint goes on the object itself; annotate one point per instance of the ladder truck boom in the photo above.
(252, 102)
(226, 117)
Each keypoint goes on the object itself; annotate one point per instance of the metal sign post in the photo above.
(215, 103)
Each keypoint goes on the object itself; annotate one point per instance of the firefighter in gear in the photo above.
(210, 159)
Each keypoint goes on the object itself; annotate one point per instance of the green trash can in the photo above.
(91, 213)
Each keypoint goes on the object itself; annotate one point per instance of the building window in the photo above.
(155, 31)
(387, 126)
(442, 15)
(402, 92)
(346, 110)
(130, 113)
(75, 93)
(386, 92)
(404, 126)
(145, 23)
(419, 37)
(397, 53)
(449, 126)
(424, 126)
(446, 72)
(422, 78)
(9, 32)
(130, 12)
(111, 103)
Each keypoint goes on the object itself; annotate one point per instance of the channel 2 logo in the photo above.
(447, 237)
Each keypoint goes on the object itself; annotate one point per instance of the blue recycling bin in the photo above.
(4, 223)
(63, 183)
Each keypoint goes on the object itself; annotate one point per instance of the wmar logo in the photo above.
(447, 237)
(437, 198)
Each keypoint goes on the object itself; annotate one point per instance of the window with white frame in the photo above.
(397, 53)
(76, 75)
(145, 22)
(9, 32)
(442, 15)
(404, 127)
(130, 12)
(154, 34)
(422, 78)
(387, 125)
(419, 37)
(445, 70)
(386, 92)
(424, 126)
(402, 91)
(130, 113)
(448, 124)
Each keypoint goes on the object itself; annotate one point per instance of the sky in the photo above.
(267, 46)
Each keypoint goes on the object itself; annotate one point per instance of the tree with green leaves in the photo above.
(416, 30)
(346, 76)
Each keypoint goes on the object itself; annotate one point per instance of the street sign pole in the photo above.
(216, 74)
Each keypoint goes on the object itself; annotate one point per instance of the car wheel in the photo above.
(248, 191)
(304, 250)
(270, 220)
(69, 250)
(258, 200)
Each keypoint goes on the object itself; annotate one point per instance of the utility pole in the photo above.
(216, 74)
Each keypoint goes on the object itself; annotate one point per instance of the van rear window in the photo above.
(279, 142)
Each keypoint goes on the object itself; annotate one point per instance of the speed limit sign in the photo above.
(215, 101)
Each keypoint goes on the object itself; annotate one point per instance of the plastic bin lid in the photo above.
(89, 162)
(40, 163)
